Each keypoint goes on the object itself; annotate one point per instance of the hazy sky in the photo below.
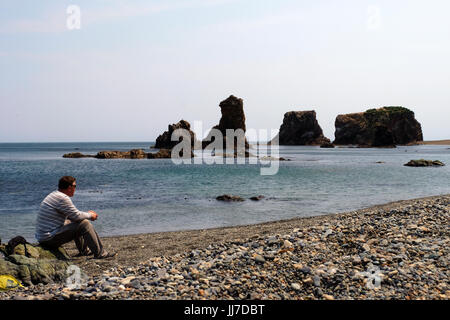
(133, 67)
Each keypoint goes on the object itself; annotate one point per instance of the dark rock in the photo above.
(166, 154)
(110, 155)
(257, 198)
(132, 154)
(317, 281)
(113, 154)
(424, 163)
(305, 270)
(267, 158)
(229, 198)
(161, 154)
(301, 128)
(164, 141)
(233, 117)
(136, 284)
(100, 155)
(384, 127)
(327, 145)
(137, 154)
(76, 155)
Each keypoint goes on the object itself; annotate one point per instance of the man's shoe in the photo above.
(84, 254)
(105, 255)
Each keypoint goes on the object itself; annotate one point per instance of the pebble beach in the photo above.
(398, 250)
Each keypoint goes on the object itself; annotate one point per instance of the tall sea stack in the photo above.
(302, 129)
(233, 117)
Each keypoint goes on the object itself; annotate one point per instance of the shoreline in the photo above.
(398, 250)
(135, 248)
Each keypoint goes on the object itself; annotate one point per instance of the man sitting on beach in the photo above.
(59, 222)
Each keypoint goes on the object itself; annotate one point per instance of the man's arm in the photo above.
(72, 213)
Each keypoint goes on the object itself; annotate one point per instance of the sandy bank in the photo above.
(436, 142)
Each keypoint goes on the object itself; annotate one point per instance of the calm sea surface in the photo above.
(140, 196)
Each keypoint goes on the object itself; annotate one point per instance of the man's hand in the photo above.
(94, 215)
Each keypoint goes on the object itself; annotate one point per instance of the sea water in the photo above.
(143, 196)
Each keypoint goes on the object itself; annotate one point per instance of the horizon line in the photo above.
(147, 141)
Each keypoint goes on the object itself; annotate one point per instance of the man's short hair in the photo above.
(65, 182)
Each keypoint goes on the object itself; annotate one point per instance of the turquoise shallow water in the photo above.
(139, 196)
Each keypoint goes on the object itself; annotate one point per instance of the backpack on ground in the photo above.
(15, 242)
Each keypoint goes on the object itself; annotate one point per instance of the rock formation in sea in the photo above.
(164, 141)
(76, 155)
(383, 127)
(110, 154)
(132, 154)
(230, 198)
(257, 198)
(301, 128)
(328, 145)
(233, 117)
(166, 154)
(270, 158)
(424, 163)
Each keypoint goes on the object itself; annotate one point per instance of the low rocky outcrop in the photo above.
(230, 198)
(269, 158)
(233, 117)
(132, 154)
(234, 155)
(166, 154)
(424, 163)
(234, 198)
(384, 127)
(76, 155)
(42, 265)
(302, 129)
(161, 154)
(164, 141)
(328, 145)
(110, 154)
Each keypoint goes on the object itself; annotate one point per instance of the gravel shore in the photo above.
(395, 251)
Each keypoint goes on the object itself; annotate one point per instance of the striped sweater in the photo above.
(53, 212)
